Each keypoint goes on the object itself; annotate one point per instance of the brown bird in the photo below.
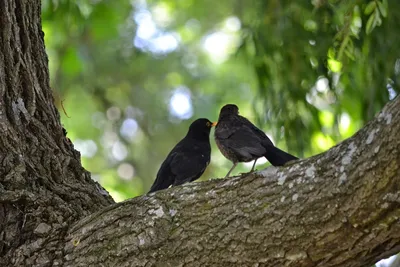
(241, 141)
(188, 159)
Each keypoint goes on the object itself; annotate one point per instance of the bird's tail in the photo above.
(155, 187)
(160, 183)
(277, 157)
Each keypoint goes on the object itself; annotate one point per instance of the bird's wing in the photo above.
(225, 131)
(256, 130)
(244, 142)
(190, 163)
(165, 177)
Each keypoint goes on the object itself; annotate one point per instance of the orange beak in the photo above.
(214, 123)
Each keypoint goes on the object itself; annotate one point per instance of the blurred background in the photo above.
(130, 76)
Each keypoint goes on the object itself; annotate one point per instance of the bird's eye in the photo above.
(208, 124)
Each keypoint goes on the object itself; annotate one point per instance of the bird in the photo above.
(239, 140)
(188, 160)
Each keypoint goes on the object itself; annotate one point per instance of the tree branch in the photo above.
(339, 208)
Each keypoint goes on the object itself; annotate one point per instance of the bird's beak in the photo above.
(214, 123)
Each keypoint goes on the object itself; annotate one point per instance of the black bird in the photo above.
(188, 159)
(241, 141)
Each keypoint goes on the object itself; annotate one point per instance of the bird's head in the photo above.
(227, 110)
(200, 127)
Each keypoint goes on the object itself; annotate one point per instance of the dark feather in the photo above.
(188, 160)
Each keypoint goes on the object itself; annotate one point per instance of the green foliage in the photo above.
(309, 73)
(375, 9)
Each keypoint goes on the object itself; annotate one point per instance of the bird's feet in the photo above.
(246, 173)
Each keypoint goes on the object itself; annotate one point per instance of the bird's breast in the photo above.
(228, 153)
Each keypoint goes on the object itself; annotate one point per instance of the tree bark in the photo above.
(43, 188)
(339, 208)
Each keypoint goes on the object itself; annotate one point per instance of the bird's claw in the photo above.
(246, 173)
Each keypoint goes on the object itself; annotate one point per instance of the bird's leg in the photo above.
(234, 165)
(254, 164)
(252, 169)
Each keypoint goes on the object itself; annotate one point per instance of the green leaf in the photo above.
(378, 19)
(370, 8)
(334, 65)
(385, 4)
(349, 54)
(371, 23)
(349, 51)
(382, 9)
(331, 53)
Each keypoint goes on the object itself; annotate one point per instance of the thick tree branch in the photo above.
(339, 208)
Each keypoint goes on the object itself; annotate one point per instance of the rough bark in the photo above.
(43, 188)
(339, 208)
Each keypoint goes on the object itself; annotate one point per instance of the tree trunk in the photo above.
(43, 188)
(339, 208)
